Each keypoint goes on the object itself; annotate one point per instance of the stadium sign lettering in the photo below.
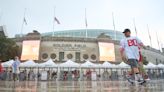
(69, 45)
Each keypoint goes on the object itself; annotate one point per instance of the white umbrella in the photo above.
(29, 63)
(89, 64)
(48, 63)
(69, 63)
(7, 63)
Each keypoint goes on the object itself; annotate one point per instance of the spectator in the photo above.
(32, 75)
(39, 76)
(15, 68)
(1, 71)
(22, 76)
(10, 75)
(1, 68)
(54, 75)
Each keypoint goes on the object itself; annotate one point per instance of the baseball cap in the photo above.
(126, 30)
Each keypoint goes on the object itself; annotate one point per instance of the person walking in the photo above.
(15, 68)
(129, 49)
(1, 71)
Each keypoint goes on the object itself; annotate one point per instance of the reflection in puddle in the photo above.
(79, 86)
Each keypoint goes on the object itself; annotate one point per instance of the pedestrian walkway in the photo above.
(80, 86)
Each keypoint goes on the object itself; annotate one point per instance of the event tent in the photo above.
(160, 65)
(106, 64)
(69, 63)
(48, 63)
(7, 63)
(122, 65)
(150, 65)
(89, 64)
(28, 63)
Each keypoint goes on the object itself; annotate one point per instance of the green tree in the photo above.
(145, 61)
(8, 49)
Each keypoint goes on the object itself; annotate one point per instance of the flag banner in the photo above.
(149, 35)
(57, 20)
(24, 20)
(106, 51)
(30, 50)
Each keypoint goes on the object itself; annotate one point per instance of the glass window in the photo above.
(44, 55)
(70, 56)
(85, 56)
(93, 57)
(77, 56)
(53, 56)
(61, 56)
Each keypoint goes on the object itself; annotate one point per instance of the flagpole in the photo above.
(114, 26)
(135, 26)
(53, 23)
(149, 35)
(23, 23)
(86, 25)
(157, 40)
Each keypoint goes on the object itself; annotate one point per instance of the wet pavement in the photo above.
(80, 86)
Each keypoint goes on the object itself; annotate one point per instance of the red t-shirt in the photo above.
(140, 55)
(1, 68)
(140, 58)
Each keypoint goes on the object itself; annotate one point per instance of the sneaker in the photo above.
(141, 82)
(130, 80)
(147, 79)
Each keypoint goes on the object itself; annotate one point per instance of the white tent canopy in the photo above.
(122, 65)
(89, 64)
(48, 63)
(106, 64)
(150, 65)
(69, 63)
(7, 63)
(160, 65)
(29, 63)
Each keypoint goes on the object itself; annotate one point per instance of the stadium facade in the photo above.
(99, 45)
(91, 33)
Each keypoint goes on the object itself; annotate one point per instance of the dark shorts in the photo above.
(133, 63)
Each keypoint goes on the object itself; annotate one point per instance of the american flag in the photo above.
(55, 19)
(24, 20)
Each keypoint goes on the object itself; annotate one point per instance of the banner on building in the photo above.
(30, 50)
(106, 51)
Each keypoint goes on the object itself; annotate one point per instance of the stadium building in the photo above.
(95, 45)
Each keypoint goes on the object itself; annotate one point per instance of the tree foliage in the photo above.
(145, 61)
(8, 49)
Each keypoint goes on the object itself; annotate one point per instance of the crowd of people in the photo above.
(31, 74)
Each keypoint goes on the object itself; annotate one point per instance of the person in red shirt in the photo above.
(1, 67)
(1, 71)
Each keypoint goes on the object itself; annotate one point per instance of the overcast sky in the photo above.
(71, 14)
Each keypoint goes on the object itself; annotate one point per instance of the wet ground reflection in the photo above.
(80, 86)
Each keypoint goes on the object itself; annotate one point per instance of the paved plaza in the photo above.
(80, 86)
